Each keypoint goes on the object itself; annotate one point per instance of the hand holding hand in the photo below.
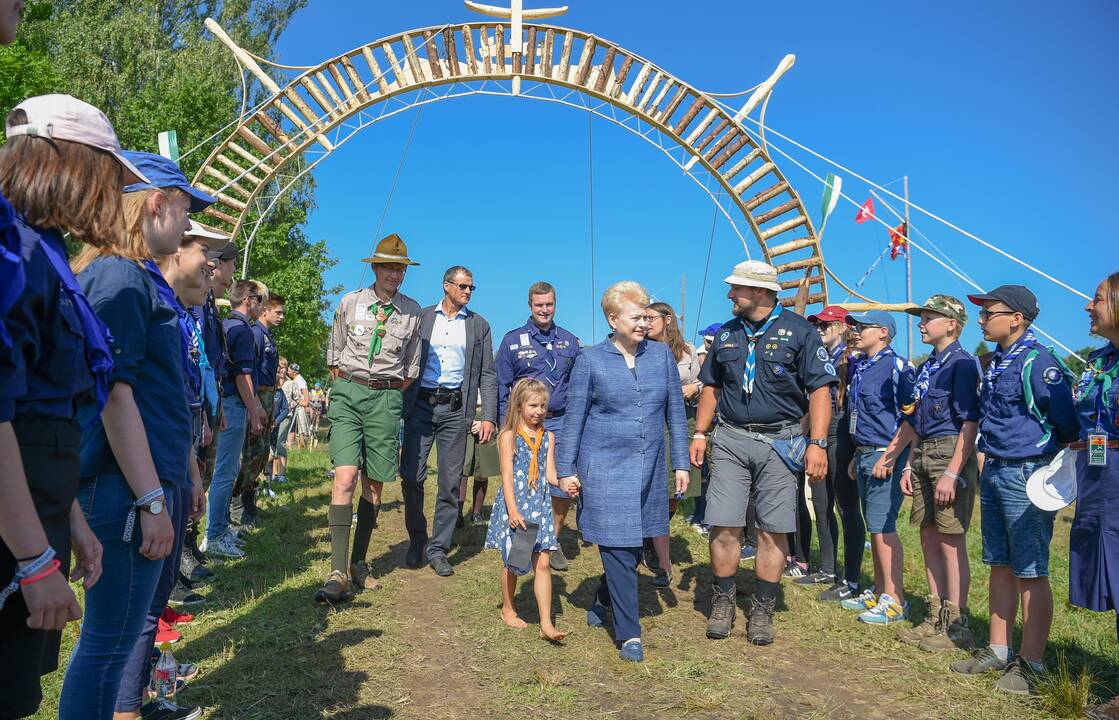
(570, 485)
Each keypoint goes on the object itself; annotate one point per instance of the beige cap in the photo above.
(754, 273)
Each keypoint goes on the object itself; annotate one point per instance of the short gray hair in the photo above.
(454, 270)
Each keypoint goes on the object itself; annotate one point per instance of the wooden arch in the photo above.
(302, 114)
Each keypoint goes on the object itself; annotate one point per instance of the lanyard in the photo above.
(1000, 362)
(751, 346)
(1104, 379)
(533, 442)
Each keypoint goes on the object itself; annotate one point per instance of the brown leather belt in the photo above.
(1080, 445)
(372, 383)
(266, 388)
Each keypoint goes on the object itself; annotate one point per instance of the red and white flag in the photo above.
(866, 212)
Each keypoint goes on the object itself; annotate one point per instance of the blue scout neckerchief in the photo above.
(97, 336)
(751, 344)
(924, 378)
(187, 349)
(1001, 361)
(12, 279)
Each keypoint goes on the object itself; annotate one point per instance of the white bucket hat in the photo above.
(62, 117)
(1053, 486)
(754, 273)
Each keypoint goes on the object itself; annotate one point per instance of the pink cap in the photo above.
(832, 313)
(62, 117)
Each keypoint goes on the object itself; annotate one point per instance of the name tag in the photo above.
(359, 314)
(854, 420)
(524, 338)
(1097, 450)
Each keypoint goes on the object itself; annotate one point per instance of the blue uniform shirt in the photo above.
(12, 278)
(241, 351)
(147, 355)
(1008, 430)
(44, 374)
(878, 391)
(1097, 394)
(213, 337)
(952, 397)
(790, 362)
(267, 357)
(531, 352)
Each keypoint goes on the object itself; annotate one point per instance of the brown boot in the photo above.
(954, 631)
(335, 589)
(914, 635)
(362, 576)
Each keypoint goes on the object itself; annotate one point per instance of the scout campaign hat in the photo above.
(945, 305)
(165, 173)
(1015, 297)
(832, 313)
(754, 273)
(391, 250)
(62, 117)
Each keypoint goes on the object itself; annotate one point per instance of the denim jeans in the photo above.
(137, 671)
(881, 499)
(116, 607)
(1016, 533)
(230, 443)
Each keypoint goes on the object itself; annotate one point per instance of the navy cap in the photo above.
(164, 173)
(1016, 297)
(711, 329)
(880, 318)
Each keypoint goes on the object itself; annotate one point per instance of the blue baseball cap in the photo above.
(164, 173)
(878, 318)
(711, 329)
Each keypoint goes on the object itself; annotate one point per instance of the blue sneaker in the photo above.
(749, 552)
(596, 616)
(631, 650)
(885, 612)
(863, 602)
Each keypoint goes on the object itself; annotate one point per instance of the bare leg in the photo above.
(1037, 616)
(371, 490)
(1003, 604)
(560, 507)
(772, 549)
(481, 486)
(508, 612)
(934, 562)
(876, 558)
(957, 569)
(342, 489)
(542, 588)
(726, 550)
(888, 560)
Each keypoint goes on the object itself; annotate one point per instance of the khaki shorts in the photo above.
(929, 461)
(365, 429)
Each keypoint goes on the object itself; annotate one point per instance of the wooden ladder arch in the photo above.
(301, 115)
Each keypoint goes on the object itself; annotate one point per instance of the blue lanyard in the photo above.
(751, 345)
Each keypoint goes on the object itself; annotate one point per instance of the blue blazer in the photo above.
(613, 439)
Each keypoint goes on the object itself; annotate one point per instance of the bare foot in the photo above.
(513, 620)
(552, 635)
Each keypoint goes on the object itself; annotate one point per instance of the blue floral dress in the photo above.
(535, 505)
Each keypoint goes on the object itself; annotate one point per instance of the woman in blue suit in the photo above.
(622, 393)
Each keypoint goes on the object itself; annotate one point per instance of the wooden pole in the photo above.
(908, 268)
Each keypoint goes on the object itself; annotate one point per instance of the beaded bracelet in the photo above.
(42, 574)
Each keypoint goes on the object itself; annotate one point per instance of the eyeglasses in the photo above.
(655, 316)
(863, 327)
(465, 287)
(986, 314)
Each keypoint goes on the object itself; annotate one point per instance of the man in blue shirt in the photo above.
(542, 350)
(1027, 415)
(942, 474)
(242, 411)
(881, 385)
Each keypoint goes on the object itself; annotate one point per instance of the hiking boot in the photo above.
(362, 576)
(981, 661)
(837, 593)
(954, 631)
(817, 578)
(335, 589)
(1019, 678)
(760, 628)
(558, 561)
(931, 625)
(721, 620)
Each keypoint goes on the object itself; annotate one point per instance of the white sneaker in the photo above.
(222, 547)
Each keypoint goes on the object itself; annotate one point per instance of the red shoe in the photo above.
(171, 616)
(166, 634)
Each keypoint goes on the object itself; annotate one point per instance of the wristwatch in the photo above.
(818, 443)
(155, 507)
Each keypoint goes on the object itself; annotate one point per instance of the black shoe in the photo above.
(837, 592)
(192, 570)
(441, 565)
(163, 710)
(816, 578)
(649, 556)
(415, 557)
(184, 596)
(250, 518)
(721, 620)
(201, 574)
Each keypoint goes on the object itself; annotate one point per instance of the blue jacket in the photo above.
(613, 439)
(528, 351)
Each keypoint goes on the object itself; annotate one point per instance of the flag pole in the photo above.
(908, 268)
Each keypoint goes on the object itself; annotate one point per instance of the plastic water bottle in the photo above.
(165, 675)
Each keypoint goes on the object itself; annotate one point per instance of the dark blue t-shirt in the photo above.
(241, 350)
(147, 355)
(877, 395)
(952, 397)
(267, 357)
(213, 337)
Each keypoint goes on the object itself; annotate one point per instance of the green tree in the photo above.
(1076, 364)
(981, 349)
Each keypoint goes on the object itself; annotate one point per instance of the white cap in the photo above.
(754, 273)
(1053, 486)
(199, 230)
(62, 117)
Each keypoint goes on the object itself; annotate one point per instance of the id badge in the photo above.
(854, 420)
(1097, 450)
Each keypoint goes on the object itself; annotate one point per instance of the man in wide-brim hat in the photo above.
(373, 355)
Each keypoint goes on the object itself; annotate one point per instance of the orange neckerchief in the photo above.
(534, 447)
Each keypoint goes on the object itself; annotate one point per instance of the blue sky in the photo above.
(1001, 114)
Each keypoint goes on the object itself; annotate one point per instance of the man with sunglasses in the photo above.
(456, 361)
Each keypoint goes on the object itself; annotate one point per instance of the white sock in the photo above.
(1002, 652)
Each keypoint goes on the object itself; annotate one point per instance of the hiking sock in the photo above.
(763, 589)
(376, 512)
(363, 531)
(339, 518)
(726, 584)
(1002, 652)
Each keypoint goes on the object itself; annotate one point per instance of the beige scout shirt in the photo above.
(355, 324)
(689, 366)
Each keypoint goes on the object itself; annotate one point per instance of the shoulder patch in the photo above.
(830, 369)
(724, 336)
(821, 354)
(1052, 376)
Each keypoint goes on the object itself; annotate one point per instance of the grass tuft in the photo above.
(1063, 692)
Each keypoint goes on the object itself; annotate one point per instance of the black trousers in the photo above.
(446, 429)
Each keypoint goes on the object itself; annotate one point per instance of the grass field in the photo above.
(432, 648)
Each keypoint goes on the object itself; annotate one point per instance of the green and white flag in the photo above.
(832, 185)
(169, 145)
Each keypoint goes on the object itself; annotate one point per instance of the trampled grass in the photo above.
(431, 648)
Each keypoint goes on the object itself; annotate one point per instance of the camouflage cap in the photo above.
(945, 305)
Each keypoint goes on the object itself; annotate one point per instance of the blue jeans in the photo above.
(1016, 533)
(881, 499)
(115, 608)
(230, 443)
(138, 670)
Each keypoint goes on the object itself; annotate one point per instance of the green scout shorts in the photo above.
(929, 460)
(365, 429)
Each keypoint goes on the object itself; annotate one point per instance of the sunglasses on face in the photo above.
(863, 327)
(465, 287)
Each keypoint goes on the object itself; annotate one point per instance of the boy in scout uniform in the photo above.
(374, 354)
(942, 474)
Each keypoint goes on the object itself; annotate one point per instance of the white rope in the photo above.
(929, 213)
(258, 58)
(913, 228)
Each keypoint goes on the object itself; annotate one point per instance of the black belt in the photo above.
(442, 396)
(372, 383)
(554, 414)
(762, 428)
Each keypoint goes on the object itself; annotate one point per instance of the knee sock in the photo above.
(338, 518)
(726, 584)
(363, 531)
(764, 590)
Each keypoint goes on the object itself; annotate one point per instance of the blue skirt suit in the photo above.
(613, 440)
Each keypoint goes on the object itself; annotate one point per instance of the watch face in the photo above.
(156, 507)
